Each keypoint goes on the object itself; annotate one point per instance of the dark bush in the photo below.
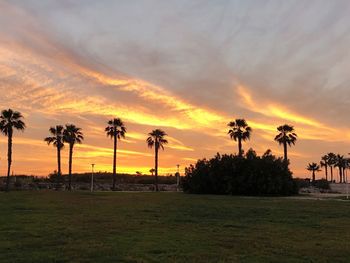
(302, 183)
(321, 184)
(234, 175)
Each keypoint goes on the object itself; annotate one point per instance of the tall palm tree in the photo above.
(9, 121)
(116, 130)
(239, 131)
(313, 167)
(57, 141)
(340, 163)
(332, 160)
(324, 163)
(286, 137)
(157, 140)
(72, 135)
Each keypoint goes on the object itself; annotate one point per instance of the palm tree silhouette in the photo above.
(332, 159)
(286, 136)
(239, 131)
(156, 139)
(72, 135)
(152, 171)
(340, 163)
(325, 163)
(57, 141)
(313, 167)
(116, 130)
(9, 121)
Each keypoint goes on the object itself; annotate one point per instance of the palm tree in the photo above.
(340, 163)
(116, 130)
(286, 136)
(156, 139)
(313, 167)
(239, 131)
(346, 166)
(152, 171)
(72, 135)
(9, 121)
(57, 141)
(332, 159)
(324, 163)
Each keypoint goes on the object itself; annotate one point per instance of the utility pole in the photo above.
(92, 177)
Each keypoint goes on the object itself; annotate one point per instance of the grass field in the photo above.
(170, 227)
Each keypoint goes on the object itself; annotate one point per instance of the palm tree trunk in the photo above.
(340, 175)
(326, 169)
(9, 159)
(59, 171)
(115, 162)
(156, 167)
(331, 173)
(313, 176)
(240, 153)
(285, 152)
(70, 167)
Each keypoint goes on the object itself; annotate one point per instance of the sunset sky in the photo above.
(187, 67)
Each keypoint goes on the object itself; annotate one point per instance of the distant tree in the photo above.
(332, 160)
(157, 140)
(340, 163)
(286, 137)
(9, 121)
(116, 130)
(57, 141)
(72, 135)
(324, 163)
(239, 131)
(152, 171)
(313, 167)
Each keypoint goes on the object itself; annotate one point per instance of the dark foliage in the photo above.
(234, 175)
(322, 184)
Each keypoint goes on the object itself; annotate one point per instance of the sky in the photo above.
(187, 67)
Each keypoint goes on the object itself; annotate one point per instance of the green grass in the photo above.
(170, 227)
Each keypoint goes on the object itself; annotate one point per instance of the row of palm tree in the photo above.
(240, 131)
(69, 134)
(72, 135)
(331, 161)
(115, 129)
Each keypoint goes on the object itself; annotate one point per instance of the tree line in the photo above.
(331, 161)
(70, 134)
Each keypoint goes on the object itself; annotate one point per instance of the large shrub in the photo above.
(234, 175)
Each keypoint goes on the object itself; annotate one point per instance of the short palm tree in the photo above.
(239, 131)
(9, 121)
(313, 167)
(57, 141)
(286, 137)
(116, 130)
(157, 140)
(325, 163)
(332, 160)
(72, 135)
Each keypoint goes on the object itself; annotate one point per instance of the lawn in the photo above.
(170, 227)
